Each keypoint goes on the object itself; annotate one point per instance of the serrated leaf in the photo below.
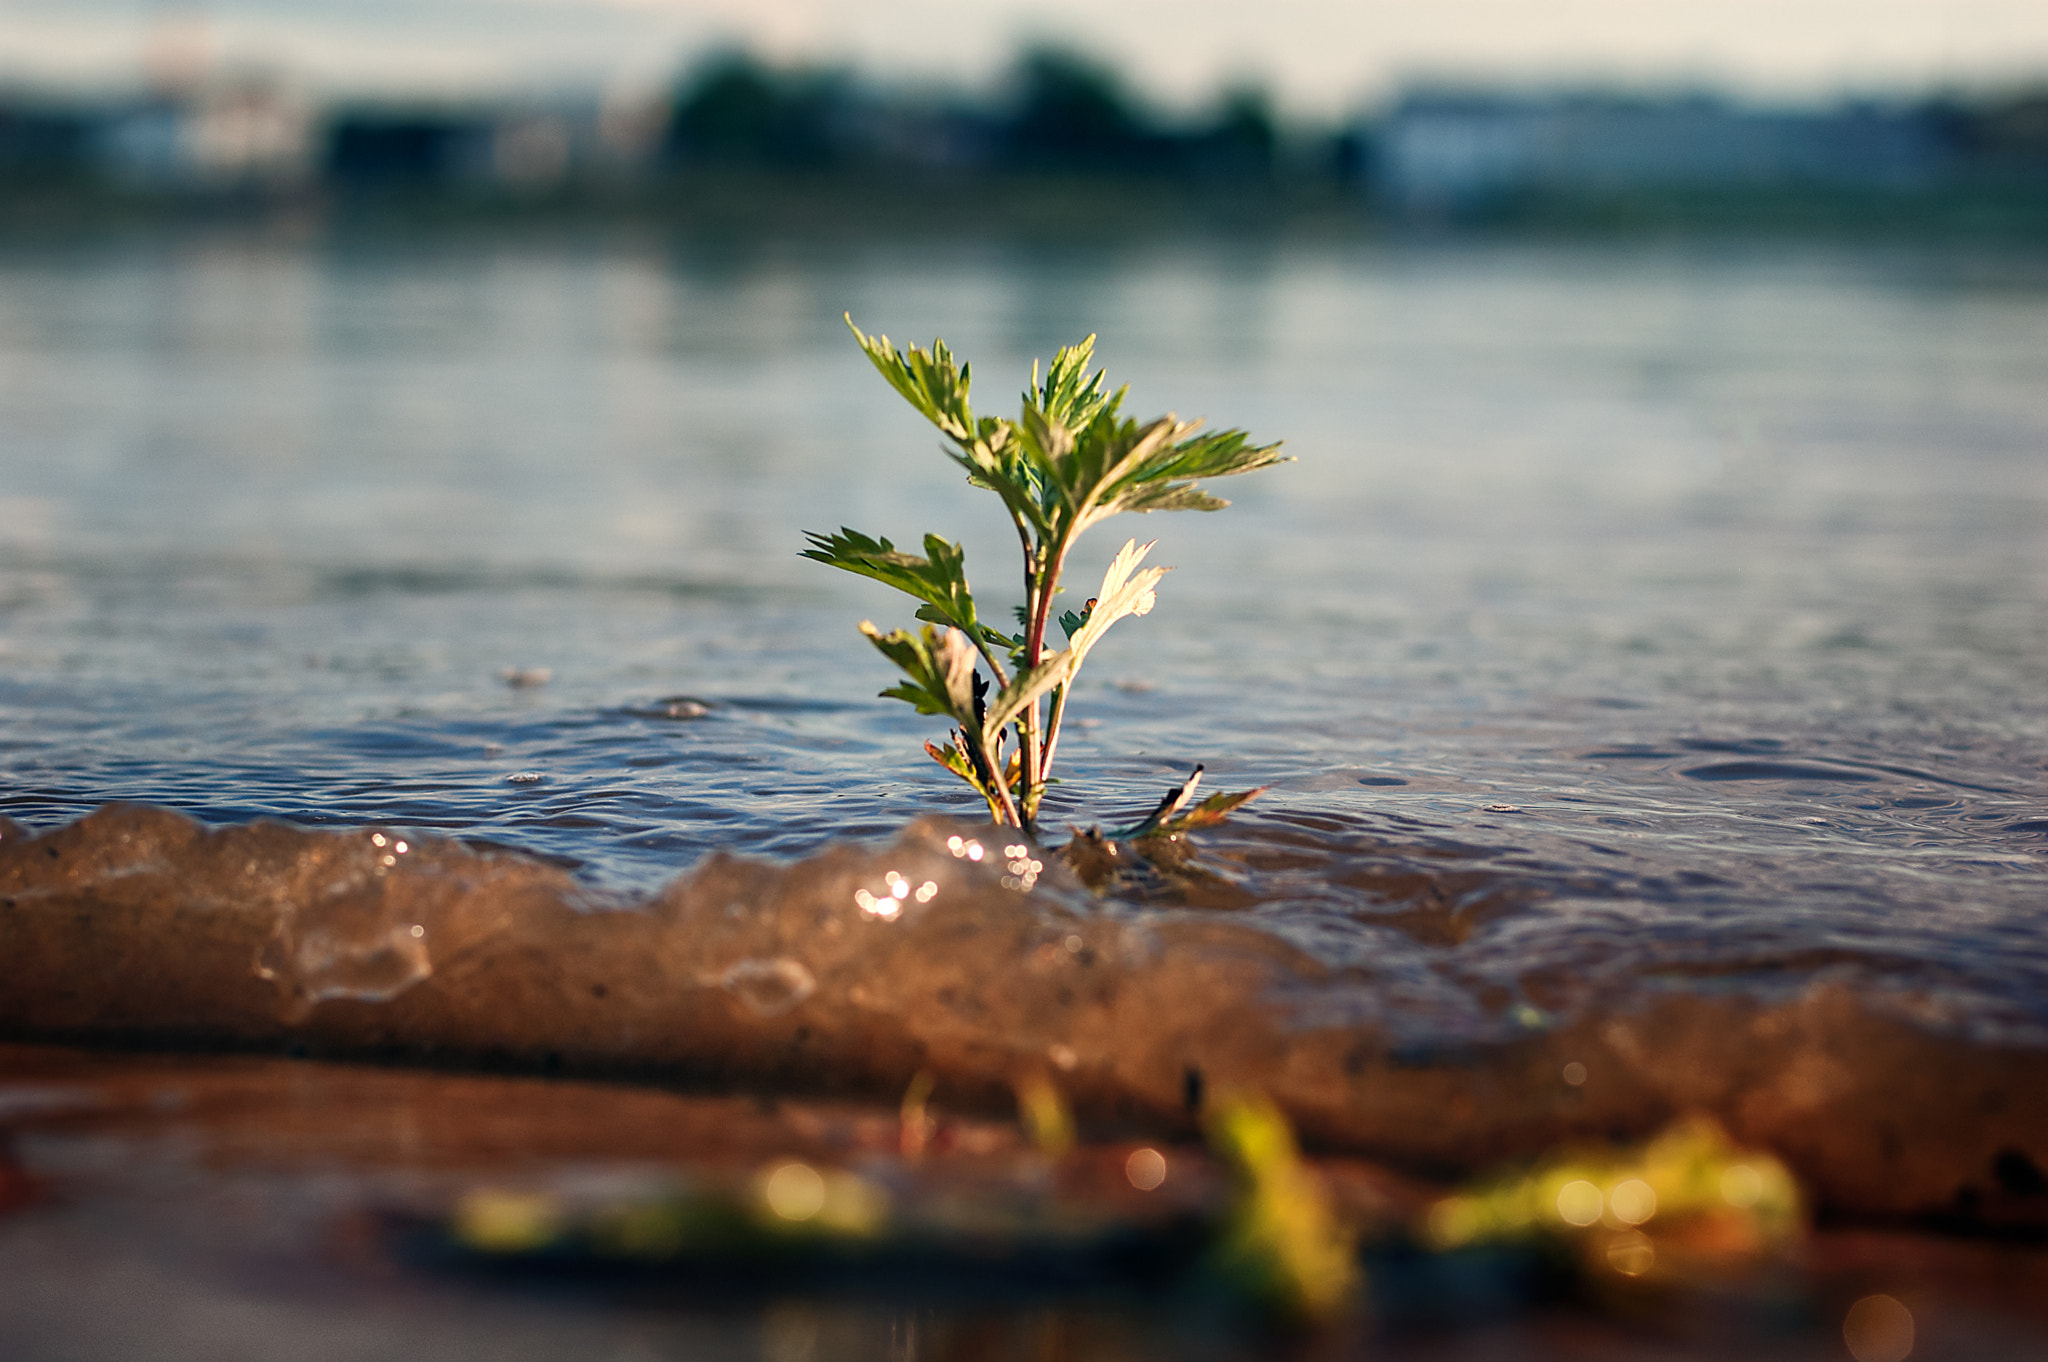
(1070, 395)
(1166, 497)
(939, 666)
(928, 379)
(954, 760)
(1210, 811)
(1165, 479)
(1174, 814)
(939, 578)
(1000, 468)
(1125, 591)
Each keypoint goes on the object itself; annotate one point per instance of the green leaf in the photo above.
(995, 460)
(1164, 480)
(939, 579)
(928, 379)
(953, 759)
(1174, 815)
(940, 668)
(1070, 395)
(1178, 496)
(1210, 811)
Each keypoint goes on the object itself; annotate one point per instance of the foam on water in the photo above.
(138, 924)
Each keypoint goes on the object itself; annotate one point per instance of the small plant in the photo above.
(1070, 460)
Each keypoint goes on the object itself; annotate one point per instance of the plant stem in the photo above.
(1052, 728)
(1007, 812)
(1039, 597)
(1027, 731)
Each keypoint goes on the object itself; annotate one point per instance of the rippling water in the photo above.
(1631, 616)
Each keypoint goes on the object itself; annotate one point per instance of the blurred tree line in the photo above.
(1061, 141)
(1060, 112)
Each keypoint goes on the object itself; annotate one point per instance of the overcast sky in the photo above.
(1319, 56)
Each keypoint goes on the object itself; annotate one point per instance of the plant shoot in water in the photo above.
(1070, 460)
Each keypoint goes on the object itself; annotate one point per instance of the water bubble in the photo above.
(344, 947)
(1575, 1073)
(769, 987)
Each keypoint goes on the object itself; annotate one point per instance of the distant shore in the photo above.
(799, 207)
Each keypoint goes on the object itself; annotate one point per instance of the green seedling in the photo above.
(1283, 1247)
(1690, 1200)
(1070, 460)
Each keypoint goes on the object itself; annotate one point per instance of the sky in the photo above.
(1319, 57)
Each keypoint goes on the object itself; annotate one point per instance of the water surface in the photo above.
(1634, 616)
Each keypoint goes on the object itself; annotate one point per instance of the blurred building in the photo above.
(238, 134)
(1455, 152)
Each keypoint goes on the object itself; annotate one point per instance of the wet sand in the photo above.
(178, 1206)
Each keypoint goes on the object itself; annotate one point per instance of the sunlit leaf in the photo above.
(939, 578)
(928, 379)
(1125, 591)
(1211, 811)
(1070, 395)
(940, 668)
(954, 760)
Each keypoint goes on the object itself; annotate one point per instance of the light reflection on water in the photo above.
(1629, 612)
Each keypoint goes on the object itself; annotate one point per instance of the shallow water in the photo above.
(1633, 618)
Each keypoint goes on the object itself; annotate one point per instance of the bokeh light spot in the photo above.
(1579, 1202)
(1146, 1168)
(1632, 1202)
(794, 1191)
(1741, 1185)
(1878, 1329)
